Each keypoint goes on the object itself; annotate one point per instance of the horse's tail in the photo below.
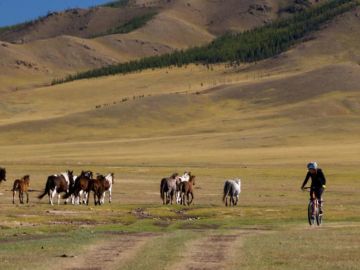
(47, 188)
(15, 186)
(162, 187)
(226, 190)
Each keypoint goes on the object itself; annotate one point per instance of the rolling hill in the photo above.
(62, 43)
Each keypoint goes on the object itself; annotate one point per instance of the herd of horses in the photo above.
(77, 189)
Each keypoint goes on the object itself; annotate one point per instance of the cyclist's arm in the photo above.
(324, 179)
(306, 180)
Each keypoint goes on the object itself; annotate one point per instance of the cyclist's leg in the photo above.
(319, 193)
(312, 199)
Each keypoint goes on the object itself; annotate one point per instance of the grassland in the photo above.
(262, 122)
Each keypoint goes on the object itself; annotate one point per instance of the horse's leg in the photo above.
(27, 196)
(95, 198)
(53, 194)
(102, 198)
(21, 196)
(14, 193)
(85, 197)
(192, 197)
(59, 197)
(110, 195)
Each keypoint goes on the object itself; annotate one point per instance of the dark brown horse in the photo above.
(80, 187)
(187, 189)
(21, 185)
(56, 184)
(98, 187)
(2, 174)
(168, 187)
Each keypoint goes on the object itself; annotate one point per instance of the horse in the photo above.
(232, 188)
(168, 187)
(79, 190)
(2, 174)
(186, 189)
(56, 184)
(98, 187)
(109, 181)
(184, 178)
(21, 185)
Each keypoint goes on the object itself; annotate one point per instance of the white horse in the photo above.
(184, 178)
(232, 188)
(109, 181)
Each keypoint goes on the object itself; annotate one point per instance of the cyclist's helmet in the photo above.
(312, 165)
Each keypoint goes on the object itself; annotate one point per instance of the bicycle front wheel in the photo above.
(311, 218)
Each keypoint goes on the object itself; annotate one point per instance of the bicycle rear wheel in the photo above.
(318, 217)
(311, 218)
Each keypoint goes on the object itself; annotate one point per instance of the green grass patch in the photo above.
(320, 248)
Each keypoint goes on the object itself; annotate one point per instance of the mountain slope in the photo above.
(269, 102)
(56, 45)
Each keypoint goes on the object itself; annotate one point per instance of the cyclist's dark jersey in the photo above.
(317, 180)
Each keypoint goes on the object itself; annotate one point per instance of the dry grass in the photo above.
(260, 122)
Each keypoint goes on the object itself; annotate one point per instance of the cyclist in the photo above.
(318, 183)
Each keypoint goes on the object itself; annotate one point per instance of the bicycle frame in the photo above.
(313, 210)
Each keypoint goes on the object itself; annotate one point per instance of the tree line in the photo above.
(249, 46)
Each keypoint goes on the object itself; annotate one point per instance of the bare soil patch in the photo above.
(109, 254)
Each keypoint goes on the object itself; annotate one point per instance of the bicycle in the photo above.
(314, 211)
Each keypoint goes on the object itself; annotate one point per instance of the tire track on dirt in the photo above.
(211, 252)
(109, 254)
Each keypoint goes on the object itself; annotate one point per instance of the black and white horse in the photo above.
(109, 181)
(56, 184)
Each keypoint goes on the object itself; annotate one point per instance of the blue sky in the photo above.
(17, 11)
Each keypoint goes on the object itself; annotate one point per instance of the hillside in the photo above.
(62, 43)
(276, 93)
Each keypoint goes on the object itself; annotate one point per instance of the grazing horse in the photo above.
(98, 187)
(56, 184)
(2, 174)
(186, 189)
(109, 181)
(168, 187)
(232, 188)
(21, 185)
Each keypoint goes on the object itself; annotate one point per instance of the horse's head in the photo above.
(174, 175)
(192, 179)
(70, 175)
(26, 177)
(2, 174)
(87, 174)
(100, 176)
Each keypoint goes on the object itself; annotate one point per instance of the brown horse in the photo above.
(21, 185)
(80, 187)
(186, 189)
(98, 186)
(2, 174)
